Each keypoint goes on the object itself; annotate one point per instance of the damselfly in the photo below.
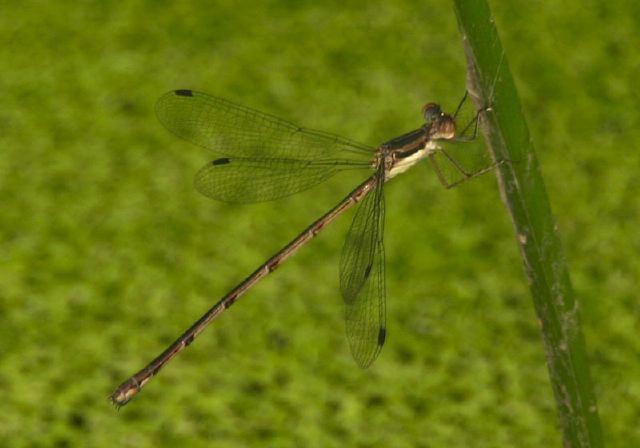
(268, 158)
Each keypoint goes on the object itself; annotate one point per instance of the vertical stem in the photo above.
(523, 192)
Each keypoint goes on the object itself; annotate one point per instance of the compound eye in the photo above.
(431, 111)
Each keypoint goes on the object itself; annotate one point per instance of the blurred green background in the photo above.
(107, 253)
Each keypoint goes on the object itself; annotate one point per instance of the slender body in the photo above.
(132, 386)
(207, 121)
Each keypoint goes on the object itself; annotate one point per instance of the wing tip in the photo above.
(364, 358)
(183, 92)
(382, 336)
(221, 161)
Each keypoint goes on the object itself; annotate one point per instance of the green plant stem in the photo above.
(490, 84)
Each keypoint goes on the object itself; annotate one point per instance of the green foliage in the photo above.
(525, 197)
(107, 252)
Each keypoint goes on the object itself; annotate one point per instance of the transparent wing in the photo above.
(246, 180)
(238, 131)
(362, 279)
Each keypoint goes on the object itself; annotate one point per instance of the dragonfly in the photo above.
(265, 158)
